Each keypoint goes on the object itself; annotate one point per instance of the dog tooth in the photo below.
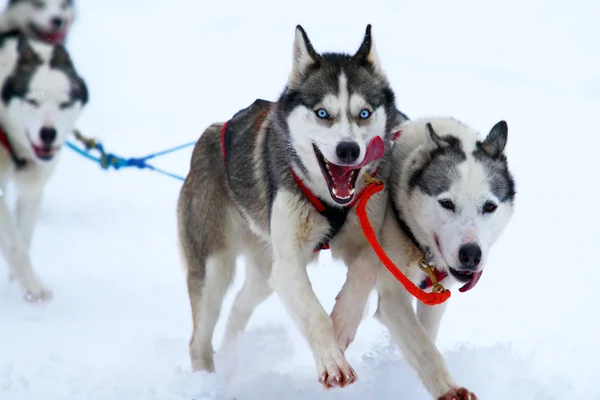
(351, 191)
(334, 191)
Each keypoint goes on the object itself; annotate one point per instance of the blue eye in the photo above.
(364, 114)
(321, 113)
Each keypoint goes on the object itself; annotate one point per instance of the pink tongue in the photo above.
(342, 174)
(471, 284)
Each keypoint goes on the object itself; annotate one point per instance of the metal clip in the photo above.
(430, 271)
(369, 180)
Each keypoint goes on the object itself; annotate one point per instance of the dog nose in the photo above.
(57, 22)
(48, 135)
(347, 152)
(469, 255)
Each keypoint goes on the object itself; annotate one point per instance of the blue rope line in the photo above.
(107, 160)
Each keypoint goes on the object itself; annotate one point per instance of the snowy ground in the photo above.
(160, 72)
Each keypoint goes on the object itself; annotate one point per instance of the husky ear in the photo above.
(367, 53)
(436, 138)
(495, 142)
(305, 55)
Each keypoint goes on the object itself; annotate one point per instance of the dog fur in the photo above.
(255, 208)
(42, 98)
(452, 190)
(45, 20)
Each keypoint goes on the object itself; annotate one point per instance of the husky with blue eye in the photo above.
(277, 183)
(46, 20)
(42, 97)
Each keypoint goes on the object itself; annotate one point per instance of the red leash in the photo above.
(439, 293)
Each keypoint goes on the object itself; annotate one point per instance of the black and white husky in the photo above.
(451, 197)
(46, 20)
(279, 181)
(42, 98)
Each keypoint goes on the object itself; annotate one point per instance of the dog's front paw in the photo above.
(37, 292)
(458, 394)
(334, 370)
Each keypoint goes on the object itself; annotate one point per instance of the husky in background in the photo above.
(451, 197)
(278, 181)
(42, 98)
(46, 20)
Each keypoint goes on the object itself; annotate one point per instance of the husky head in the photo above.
(47, 20)
(338, 111)
(455, 193)
(42, 97)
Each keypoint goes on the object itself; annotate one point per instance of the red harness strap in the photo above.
(439, 275)
(223, 149)
(322, 209)
(427, 298)
(4, 140)
(19, 162)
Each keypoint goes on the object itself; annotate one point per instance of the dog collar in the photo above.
(20, 163)
(336, 216)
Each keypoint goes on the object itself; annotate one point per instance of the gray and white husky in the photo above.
(42, 96)
(451, 197)
(278, 181)
(46, 20)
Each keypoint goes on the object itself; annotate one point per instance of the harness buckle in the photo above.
(370, 180)
(430, 271)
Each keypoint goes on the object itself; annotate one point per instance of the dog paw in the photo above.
(458, 394)
(36, 292)
(38, 296)
(334, 371)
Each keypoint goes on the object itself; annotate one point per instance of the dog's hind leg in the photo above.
(206, 219)
(206, 298)
(255, 290)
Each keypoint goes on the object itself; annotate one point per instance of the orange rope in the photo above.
(432, 298)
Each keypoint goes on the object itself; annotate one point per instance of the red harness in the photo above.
(19, 162)
(439, 275)
(334, 216)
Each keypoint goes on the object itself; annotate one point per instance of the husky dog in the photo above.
(46, 20)
(451, 196)
(277, 182)
(42, 98)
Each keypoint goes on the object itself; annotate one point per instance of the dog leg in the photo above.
(255, 290)
(294, 236)
(206, 297)
(430, 317)
(27, 212)
(15, 251)
(397, 314)
(350, 303)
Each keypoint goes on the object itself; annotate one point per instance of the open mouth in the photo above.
(53, 37)
(44, 153)
(341, 180)
(469, 278)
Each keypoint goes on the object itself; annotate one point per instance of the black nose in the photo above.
(48, 135)
(57, 22)
(469, 255)
(347, 152)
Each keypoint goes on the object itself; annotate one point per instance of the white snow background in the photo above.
(159, 72)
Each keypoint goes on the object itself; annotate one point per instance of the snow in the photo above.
(160, 72)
